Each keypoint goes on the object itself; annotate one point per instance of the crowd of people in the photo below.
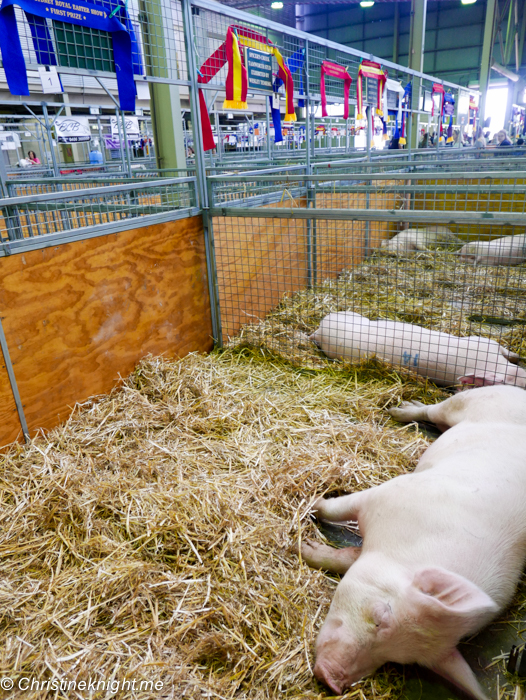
(480, 139)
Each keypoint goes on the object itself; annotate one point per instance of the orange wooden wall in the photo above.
(78, 316)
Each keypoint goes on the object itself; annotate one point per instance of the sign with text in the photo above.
(132, 127)
(72, 129)
(259, 69)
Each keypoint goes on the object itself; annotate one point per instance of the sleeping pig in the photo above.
(443, 547)
(443, 358)
(419, 239)
(508, 250)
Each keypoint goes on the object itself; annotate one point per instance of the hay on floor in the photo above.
(152, 538)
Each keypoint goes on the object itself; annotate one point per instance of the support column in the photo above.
(165, 101)
(487, 57)
(416, 59)
(396, 39)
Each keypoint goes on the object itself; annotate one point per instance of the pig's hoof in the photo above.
(407, 411)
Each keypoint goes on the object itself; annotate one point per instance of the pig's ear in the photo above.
(382, 616)
(451, 601)
(454, 668)
(486, 379)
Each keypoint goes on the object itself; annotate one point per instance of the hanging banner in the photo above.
(370, 69)
(132, 127)
(73, 12)
(72, 129)
(334, 70)
(237, 80)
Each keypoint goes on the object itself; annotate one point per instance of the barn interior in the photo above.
(188, 188)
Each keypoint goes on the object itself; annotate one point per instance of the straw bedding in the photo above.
(154, 536)
(430, 289)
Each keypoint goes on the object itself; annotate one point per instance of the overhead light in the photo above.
(276, 5)
(366, 3)
(468, 2)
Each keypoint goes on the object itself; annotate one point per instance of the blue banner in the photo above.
(73, 12)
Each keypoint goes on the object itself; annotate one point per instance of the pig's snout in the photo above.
(332, 675)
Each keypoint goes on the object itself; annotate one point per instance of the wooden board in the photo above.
(78, 316)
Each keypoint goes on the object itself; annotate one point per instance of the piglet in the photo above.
(443, 547)
(508, 250)
(419, 239)
(443, 358)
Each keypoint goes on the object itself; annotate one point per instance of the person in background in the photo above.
(424, 142)
(520, 142)
(33, 158)
(457, 139)
(480, 141)
(502, 138)
(394, 144)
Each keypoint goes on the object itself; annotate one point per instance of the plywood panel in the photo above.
(471, 201)
(344, 244)
(10, 428)
(79, 315)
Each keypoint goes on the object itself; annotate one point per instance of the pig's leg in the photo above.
(341, 509)
(509, 355)
(445, 414)
(410, 411)
(320, 556)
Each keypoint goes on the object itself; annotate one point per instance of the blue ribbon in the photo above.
(295, 64)
(73, 12)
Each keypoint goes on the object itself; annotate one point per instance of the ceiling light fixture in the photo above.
(277, 5)
(468, 2)
(366, 3)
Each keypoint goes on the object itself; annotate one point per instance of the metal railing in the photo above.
(36, 220)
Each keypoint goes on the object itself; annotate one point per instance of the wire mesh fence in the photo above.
(33, 216)
(424, 274)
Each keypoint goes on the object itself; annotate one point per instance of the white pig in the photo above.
(443, 547)
(508, 250)
(443, 358)
(419, 239)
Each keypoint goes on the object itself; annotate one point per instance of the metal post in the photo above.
(396, 38)
(215, 311)
(416, 58)
(101, 140)
(12, 381)
(368, 112)
(487, 57)
(50, 139)
(267, 117)
(126, 144)
(121, 148)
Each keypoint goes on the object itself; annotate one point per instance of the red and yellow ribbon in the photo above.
(237, 79)
(370, 69)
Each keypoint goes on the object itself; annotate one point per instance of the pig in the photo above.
(445, 359)
(419, 239)
(508, 250)
(443, 547)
